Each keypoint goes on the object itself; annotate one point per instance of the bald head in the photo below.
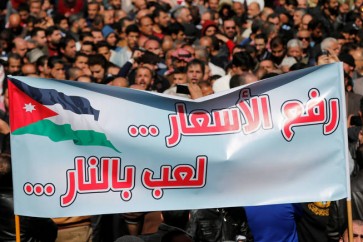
(14, 20)
(20, 46)
(29, 69)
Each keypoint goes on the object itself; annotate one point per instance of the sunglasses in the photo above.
(304, 38)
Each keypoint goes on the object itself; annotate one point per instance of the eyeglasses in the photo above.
(357, 236)
(304, 38)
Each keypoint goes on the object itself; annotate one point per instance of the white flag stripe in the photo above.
(77, 121)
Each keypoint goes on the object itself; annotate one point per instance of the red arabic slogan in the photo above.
(94, 176)
(256, 113)
(315, 111)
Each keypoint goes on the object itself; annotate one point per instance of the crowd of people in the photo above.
(189, 48)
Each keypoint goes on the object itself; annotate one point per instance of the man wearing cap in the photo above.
(180, 58)
(111, 38)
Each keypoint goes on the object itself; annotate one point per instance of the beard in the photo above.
(334, 11)
(277, 60)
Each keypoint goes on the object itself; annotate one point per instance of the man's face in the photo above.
(229, 28)
(57, 72)
(295, 51)
(238, 8)
(153, 46)
(92, 10)
(186, 17)
(108, 17)
(116, 4)
(139, 4)
(267, 65)
(213, 4)
(98, 72)
(163, 20)
(357, 233)
(97, 36)
(24, 15)
(207, 43)
(335, 47)
(179, 78)
(70, 50)
(194, 74)
(253, 10)
(180, 36)
(317, 33)
(302, 4)
(278, 51)
(205, 16)
(81, 62)
(55, 37)
(35, 8)
(14, 65)
(87, 49)
(304, 37)
(64, 24)
(297, 18)
(146, 26)
(358, 59)
(20, 48)
(40, 38)
(143, 78)
(305, 20)
(105, 52)
(333, 7)
(260, 46)
(132, 39)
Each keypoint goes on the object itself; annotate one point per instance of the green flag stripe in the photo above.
(64, 132)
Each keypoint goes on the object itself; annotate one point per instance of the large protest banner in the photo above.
(81, 149)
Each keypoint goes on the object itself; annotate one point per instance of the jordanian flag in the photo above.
(47, 112)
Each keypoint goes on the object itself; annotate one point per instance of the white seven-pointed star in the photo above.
(29, 107)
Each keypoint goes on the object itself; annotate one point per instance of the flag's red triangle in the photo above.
(25, 110)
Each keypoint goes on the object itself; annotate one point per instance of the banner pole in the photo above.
(347, 156)
(17, 228)
(350, 220)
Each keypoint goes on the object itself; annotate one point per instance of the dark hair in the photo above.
(50, 30)
(53, 60)
(64, 41)
(23, 7)
(41, 61)
(15, 56)
(261, 36)
(132, 29)
(85, 34)
(237, 80)
(196, 62)
(89, 43)
(243, 59)
(149, 57)
(158, 10)
(97, 59)
(80, 54)
(276, 41)
(175, 28)
(35, 31)
(58, 18)
(101, 44)
(298, 66)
